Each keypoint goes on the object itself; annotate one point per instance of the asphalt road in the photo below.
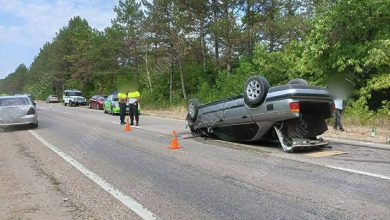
(206, 179)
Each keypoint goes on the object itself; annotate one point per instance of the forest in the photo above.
(179, 49)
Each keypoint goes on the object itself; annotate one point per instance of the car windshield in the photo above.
(102, 97)
(13, 101)
(75, 94)
(54, 96)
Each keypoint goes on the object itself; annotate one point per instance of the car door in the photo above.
(107, 103)
(92, 102)
(66, 97)
(235, 112)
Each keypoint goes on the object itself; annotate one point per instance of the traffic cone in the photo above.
(174, 142)
(127, 126)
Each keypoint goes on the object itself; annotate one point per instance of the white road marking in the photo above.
(360, 172)
(138, 208)
(66, 113)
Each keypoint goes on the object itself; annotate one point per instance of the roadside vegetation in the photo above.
(176, 50)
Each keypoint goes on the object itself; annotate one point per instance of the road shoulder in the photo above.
(28, 192)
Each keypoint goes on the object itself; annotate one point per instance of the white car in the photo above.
(17, 110)
(73, 98)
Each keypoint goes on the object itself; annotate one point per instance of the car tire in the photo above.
(298, 81)
(255, 91)
(64, 103)
(35, 125)
(193, 109)
(70, 104)
(112, 111)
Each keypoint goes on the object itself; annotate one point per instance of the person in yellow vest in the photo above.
(122, 106)
(133, 100)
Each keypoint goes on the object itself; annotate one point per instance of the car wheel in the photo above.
(64, 103)
(35, 125)
(298, 81)
(256, 89)
(70, 104)
(193, 108)
(112, 111)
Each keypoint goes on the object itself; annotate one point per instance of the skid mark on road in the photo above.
(132, 204)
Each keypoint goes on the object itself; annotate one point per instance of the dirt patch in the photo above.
(172, 112)
(26, 191)
(360, 134)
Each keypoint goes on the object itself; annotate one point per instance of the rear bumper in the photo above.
(26, 120)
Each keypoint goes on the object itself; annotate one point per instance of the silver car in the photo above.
(17, 110)
(293, 114)
(52, 99)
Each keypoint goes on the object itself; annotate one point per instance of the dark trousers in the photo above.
(122, 112)
(337, 122)
(133, 108)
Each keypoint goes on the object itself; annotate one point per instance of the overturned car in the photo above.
(293, 114)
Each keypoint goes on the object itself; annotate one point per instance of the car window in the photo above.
(14, 101)
(115, 97)
(109, 98)
(94, 97)
(75, 94)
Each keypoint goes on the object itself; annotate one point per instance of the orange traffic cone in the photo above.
(127, 126)
(174, 142)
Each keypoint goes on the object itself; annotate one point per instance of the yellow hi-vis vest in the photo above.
(122, 97)
(134, 95)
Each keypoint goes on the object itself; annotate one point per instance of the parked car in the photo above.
(97, 101)
(294, 114)
(73, 98)
(17, 110)
(111, 105)
(52, 99)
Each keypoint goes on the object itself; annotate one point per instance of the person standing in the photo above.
(339, 110)
(133, 100)
(122, 107)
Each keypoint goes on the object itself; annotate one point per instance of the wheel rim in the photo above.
(192, 109)
(253, 89)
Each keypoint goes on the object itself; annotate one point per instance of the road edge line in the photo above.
(359, 172)
(126, 200)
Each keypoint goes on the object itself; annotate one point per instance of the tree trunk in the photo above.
(203, 45)
(183, 88)
(148, 73)
(171, 82)
(216, 41)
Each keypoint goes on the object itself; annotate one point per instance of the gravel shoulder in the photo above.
(35, 183)
(26, 191)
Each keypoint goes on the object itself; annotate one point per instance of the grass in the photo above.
(176, 112)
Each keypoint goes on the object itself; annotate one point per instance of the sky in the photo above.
(25, 25)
